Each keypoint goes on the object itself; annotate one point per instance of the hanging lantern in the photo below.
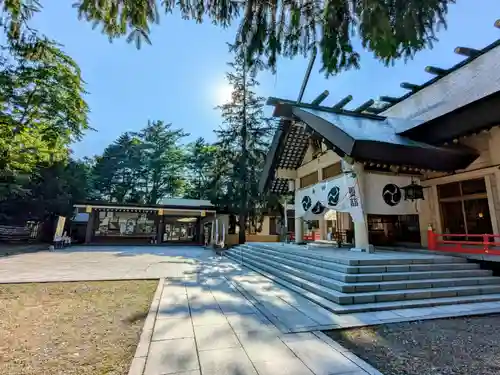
(413, 191)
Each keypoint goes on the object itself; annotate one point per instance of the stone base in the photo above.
(357, 249)
(370, 249)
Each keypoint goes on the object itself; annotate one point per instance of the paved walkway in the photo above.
(200, 323)
(206, 326)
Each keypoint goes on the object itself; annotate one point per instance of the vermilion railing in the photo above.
(315, 236)
(480, 244)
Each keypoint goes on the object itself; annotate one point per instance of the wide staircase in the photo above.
(346, 282)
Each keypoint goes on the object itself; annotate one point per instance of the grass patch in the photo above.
(84, 328)
(456, 346)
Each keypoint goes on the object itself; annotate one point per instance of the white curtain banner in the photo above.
(340, 194)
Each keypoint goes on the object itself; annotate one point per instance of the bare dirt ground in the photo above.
(458, 346)
(84, 328)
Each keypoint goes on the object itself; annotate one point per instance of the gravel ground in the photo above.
(458, 346)
(79, 328)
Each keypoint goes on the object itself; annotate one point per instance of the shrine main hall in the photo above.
(392, 174)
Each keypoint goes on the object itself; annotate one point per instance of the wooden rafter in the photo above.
(389, 99)
(320, 98)
(409, 86)
(468, 52)
(364, 106)
(342, 103)
(436, 71)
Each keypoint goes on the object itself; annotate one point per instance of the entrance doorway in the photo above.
(183, 229)
(464, 208)
(401, 230)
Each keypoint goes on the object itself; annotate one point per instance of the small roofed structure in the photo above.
(173, 220)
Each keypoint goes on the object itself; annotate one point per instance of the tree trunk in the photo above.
(243, 167)
(242, 224)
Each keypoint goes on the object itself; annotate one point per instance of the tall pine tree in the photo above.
(243, 141)
(200, 170)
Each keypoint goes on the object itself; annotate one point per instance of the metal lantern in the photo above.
(413, 191)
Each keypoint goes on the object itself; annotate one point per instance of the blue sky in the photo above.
(180, 78)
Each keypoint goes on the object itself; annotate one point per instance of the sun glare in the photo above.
(223, 93)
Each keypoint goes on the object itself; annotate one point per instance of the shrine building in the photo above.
(391, 174)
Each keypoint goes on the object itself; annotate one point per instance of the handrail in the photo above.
(482, 244)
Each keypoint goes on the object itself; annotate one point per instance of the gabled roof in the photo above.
(360, 136)
(445, 72)
(473, 117)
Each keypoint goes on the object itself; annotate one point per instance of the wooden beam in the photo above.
(342, 103)
(374, 110)
(306, 77)
(435, 70)
(497, 24)
(365, 105)
(389, 99)
(277, 101)
(468, 52)
(409, 86)
(377, 110)
(320, 98)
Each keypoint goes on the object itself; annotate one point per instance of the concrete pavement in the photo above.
(199, 322)
(209, 327)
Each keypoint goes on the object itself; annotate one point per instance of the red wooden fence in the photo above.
(315, 236)
(480, 244)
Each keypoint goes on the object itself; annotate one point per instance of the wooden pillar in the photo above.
(199, 231)
(160, 226)
(321, 220)
(90, 227)
(299, 229)
(361, 241)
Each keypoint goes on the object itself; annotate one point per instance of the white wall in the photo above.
(374, 202)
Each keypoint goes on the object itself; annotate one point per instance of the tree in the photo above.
(391, 29)
(243, 142)
(200, 170)
(51, 189)
(117, 171)
(141, 167)
(42, 109)
(163, 159)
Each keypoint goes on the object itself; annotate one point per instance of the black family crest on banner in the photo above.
(334, 196)
(306, 203)
(318, 208)
(391, 194)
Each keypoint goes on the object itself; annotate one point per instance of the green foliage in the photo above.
(51, 189)
(42, 109)
(201, 170)
(116, 171)
(141, 167)
(391, 29)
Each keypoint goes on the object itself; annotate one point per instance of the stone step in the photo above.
(328, 254)
(358, 298)
(305, 272)
(327, 262)
(351, 278)
(378, 306)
